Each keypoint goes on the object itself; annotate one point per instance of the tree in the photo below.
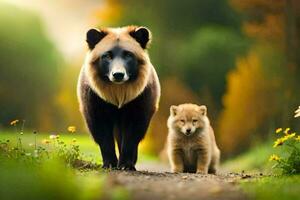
(29, 69)
(252, 104)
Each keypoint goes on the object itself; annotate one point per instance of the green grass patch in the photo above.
(34, 169)
(275, 188)
(86, 144)
(255, 160)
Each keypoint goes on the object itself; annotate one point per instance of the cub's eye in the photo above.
(195, 121)
(182, 121)
(107, 56)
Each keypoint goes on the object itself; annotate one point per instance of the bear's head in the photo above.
(118, 52)
(117, 64)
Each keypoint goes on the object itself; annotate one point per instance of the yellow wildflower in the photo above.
(278, 130)
(286, 131)
(72, 129)
(279, 142)
(14, 122)
(298, 138)
(74, 140)
(274, 157)
(290, 136)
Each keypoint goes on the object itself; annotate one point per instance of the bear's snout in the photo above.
(118, 76)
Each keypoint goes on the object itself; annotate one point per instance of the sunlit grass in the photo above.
(86, 143)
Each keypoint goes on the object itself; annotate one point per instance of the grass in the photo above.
(254, 160)
(274, 187)
(51, 177)
(50, 180)
(271, 186)
(87, 145)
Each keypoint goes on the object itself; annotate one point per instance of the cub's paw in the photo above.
(201, 171)
(177, 170)
(212, 171)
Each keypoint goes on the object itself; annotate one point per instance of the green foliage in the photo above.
(29, 68)
(177, 17)
(52, 170)
(275, 188)
(51, 149)
(289, 159)
(253, 160)
(207, 56)
(49, 181)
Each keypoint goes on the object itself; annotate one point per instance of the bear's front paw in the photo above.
(109, 165)
(127, 167)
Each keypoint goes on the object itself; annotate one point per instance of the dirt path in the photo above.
(157, 183)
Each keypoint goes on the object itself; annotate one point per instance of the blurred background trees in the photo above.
(30, 70)
(240, 58)
(263, 90)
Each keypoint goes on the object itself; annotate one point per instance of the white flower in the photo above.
(297, 112)
(52, 137)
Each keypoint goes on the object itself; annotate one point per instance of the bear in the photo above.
(118, 91)
(191, 143)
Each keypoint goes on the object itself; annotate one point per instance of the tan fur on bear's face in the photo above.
(188, 119)
(118, 36)
(119, 94)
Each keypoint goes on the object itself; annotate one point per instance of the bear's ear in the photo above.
(142, 35)
(94, 36)
(173, 110)
(203, 110)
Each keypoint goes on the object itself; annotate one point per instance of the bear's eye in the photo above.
(128, 55)
(107, 56)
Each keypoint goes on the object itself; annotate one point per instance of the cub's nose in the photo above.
(188, 130)
(118, 76)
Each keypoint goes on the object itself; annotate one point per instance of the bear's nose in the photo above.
(118, 76)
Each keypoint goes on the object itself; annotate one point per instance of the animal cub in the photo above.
(191, 142)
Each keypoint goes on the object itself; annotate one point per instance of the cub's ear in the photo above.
(203, 110)
(94, 36)
(142, 35)
(173, 110)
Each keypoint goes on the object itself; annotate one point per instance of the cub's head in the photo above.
(118, 55)
(188, 119)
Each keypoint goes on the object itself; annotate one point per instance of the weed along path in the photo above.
(160, 184)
